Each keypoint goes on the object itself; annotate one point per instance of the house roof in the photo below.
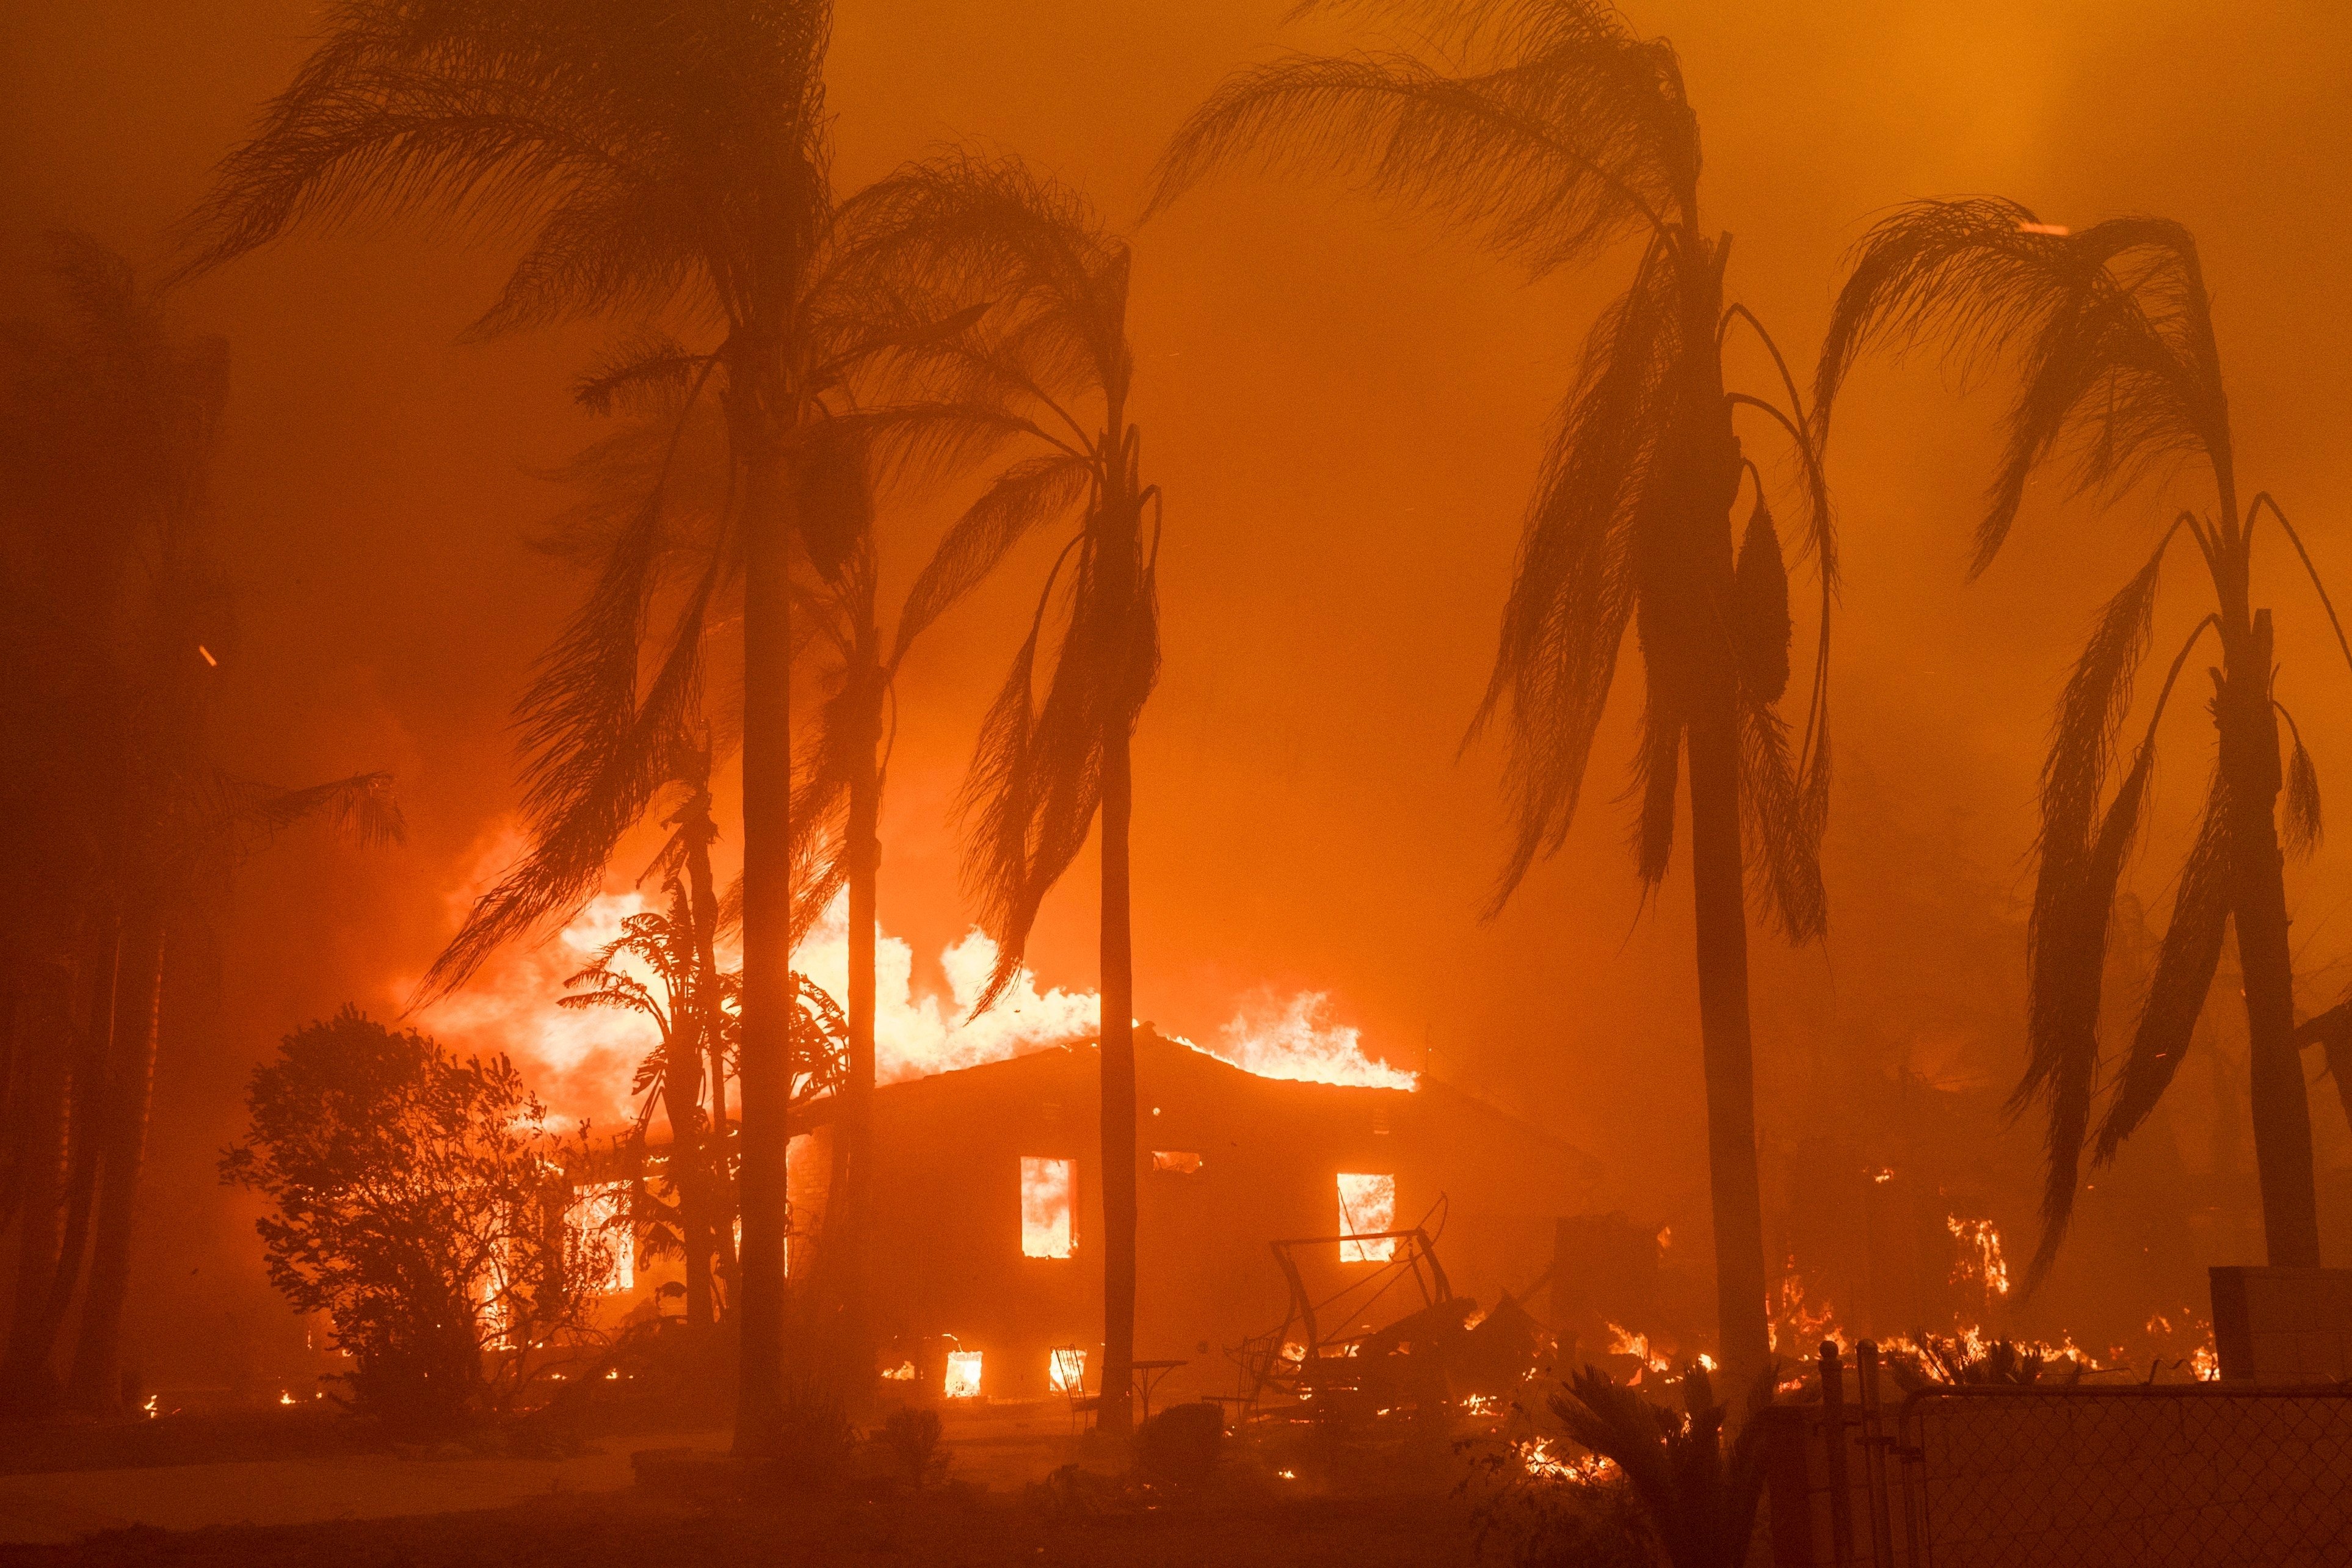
(1161, 1059)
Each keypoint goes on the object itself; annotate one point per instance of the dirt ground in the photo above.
(263, 1489)
(947, 1531)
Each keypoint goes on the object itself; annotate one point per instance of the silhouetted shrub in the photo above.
(912, 1436)
(421, 1204)
(815, 1437)
(1179, 1448)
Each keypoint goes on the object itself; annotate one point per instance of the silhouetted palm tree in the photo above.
(2122, 381)
(1045, 370)
(653, 155)
(117, 624)
(688, 1007)
(1557, 133)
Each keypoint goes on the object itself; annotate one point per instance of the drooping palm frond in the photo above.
(1024, 495)
(2185, 963)
(1562, 134)
(1574, 589)
(614, 137)
(2120, 376)
(363, 808)
(2066, 939)
(598, 754)
(2299, 819)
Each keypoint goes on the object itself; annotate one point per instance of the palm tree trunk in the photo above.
(689, 1179)
(26, 1387)
(1117, 1070)
(1717, 884)
(29, 1379)
(703, 898)
(850, 1202)
(2282, 1110)
(95, 1385)
(764, 1067)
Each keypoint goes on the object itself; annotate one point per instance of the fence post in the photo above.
(1873, 1448)
(1833, 1424)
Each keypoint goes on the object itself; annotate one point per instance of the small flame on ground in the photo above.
(1624, 1342)
(1538, 1457)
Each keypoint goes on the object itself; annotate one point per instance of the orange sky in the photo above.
(1344, 409)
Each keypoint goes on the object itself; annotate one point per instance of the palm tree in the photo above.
(653, 155)
(2123, 384)
(122, 622)
(1551, 128)
(662, 980)
(1040, 362)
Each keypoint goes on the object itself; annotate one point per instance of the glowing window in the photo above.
(1046, 1188)
(600, 1230)
(1367, 1207)
(963, 1374)
(1065, 1370)
(1177, 1162)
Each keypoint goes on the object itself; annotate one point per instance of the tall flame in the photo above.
(582, 1061)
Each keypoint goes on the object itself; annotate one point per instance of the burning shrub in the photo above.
(420, 1203)
(1965, 1360)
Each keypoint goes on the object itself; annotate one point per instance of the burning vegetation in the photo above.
(651, 1125)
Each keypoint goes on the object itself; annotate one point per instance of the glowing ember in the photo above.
(903, 1372)
(1624, 1342)
(1048, 1189)
(1981, 1261)
(962, 1381)
(599, 1218)
(1367, 1205)
(284, 1397)
(148, 1407)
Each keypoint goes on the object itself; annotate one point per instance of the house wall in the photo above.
(947, 1259)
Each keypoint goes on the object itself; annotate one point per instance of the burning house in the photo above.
(988, 1205)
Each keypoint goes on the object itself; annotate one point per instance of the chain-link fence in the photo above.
(2198, 1474)
(2202, 1474)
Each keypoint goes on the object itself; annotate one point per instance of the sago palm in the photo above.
(1557, 134)
(650, 155)
(2121, 385)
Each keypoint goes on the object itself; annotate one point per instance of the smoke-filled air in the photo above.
(1520, 782)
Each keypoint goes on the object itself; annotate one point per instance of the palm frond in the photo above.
(1573, 135)
(2184, 974)
(2299, 820)
(2112, 325)
(1025, 494)
(1574, 589)
(2066, 949)
(605, 134)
